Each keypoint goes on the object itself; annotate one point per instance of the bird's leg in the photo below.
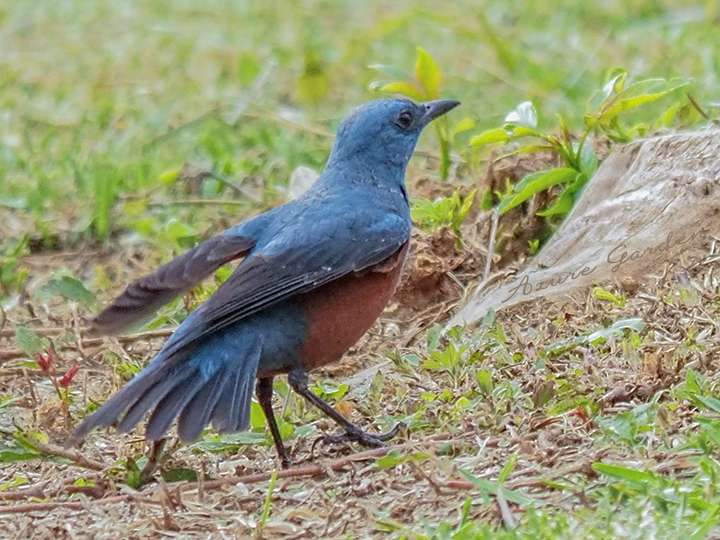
(156, 448)
(298, 380)
(264, 391)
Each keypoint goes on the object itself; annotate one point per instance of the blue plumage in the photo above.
(344, 238)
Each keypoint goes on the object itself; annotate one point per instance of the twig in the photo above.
(312, 470)
(71, 505)
(505, 512)
(235, 187)
(491, 244)
(68, 453)
(38, 490)
(52, 331)
(198, 202)
(156, 494)
(153, 460)
(698, 108)
(13, 354)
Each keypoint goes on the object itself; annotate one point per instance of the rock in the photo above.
(650, 201)
(300, 180)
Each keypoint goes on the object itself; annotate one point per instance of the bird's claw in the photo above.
(363, 438)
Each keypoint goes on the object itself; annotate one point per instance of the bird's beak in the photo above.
(436, 108)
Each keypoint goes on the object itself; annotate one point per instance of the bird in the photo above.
(313, 275)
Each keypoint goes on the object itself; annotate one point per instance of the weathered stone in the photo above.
(650, 201)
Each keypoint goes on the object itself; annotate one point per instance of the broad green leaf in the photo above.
(70, 289)
(561, 206)
(490, 136)
(535, 183)
(466, 124)
(428, 74)
(29, 341)
(565, 201)
(257, 416)
(11, 455)
(524, 115)
(626, 104)
(402, 87)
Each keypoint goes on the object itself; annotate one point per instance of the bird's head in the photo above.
(382, 134)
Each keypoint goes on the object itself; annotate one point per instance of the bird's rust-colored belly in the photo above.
(339, 313)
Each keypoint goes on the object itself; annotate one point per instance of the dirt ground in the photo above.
(346, 491)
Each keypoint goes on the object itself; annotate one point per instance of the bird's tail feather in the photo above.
(232, 411)
(184, 388)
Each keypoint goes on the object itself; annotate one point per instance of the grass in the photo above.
(132, 130)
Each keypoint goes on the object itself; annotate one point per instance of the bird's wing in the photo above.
(302, 257)
(144, 296)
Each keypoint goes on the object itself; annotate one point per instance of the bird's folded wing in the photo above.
(144, 296)
(297, 261)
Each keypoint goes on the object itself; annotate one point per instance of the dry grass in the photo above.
(345, 493)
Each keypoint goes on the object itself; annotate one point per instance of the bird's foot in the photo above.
(363, 438)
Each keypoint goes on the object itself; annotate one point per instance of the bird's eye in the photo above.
(404, 119)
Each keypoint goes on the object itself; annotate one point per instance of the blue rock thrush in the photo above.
(316, 273)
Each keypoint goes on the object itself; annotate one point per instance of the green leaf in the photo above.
(249, 68)
(484, 380)
(535, 183)
(508, 468)
(523, 115)
(402, 87)
(69, 288)
(490, 136)
(617, 328)
(390, 460)
(257, 417)
(491, 488)
(565, 201)
(634, 476)
(626, 104)
(465, 124)
(428, 74)
(607, 296)
(179, 474)
(29, 341)
(394, 458)
(588, 160)
(179, 232)
(169, 176)
(11, 455)
(709, 402)
(616, 82)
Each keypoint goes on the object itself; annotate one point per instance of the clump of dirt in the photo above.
(427, 187)
(522, 224)
(427, 278)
